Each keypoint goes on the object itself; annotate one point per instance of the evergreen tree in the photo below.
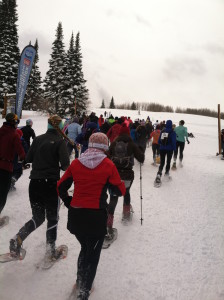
(112, 105)
(71, 76)
(103, 104)
(9, 50)
(34, 91)
(81, 92)
(133, 106)
(55, 81)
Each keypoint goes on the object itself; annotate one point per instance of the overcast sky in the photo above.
(165, 51)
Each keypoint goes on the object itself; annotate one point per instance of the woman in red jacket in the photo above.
(10, 145)
(91, 174)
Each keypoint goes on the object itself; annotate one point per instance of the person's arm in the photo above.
(63, 185)
(64, 156)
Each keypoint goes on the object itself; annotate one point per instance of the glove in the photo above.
(67, 200)
(188, 142)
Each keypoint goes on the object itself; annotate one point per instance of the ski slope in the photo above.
(176, 254)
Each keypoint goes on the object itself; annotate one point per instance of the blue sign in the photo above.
(25, 66)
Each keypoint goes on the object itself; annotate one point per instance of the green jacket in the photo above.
(181, 133)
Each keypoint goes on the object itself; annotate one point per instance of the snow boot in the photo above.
(127, 212)
(158, 178)
(15, 245)
(174, 166)
(51, 252)
(110, 221)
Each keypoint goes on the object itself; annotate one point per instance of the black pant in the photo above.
(44, 201)
(70, 148)
(88, 260)
(5, 183)
(163, 155)
(181, 146)
(155, 149)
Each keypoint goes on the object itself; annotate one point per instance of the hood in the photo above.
(92, 157)
(169, 124)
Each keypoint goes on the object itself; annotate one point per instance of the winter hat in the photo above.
(12, 118)
(75, 120)
(182, 122)
(98, 140)
(29, 122)
(124, 129)
(19, 131)
(55, 121)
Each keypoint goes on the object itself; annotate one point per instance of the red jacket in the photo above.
(10, 145)
(90, 184)
(101, 121)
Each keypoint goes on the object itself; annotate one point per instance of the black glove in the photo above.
(67, 200)
(188, 141)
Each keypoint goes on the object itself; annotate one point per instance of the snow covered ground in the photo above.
(176, 254)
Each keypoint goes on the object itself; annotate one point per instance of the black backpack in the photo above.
(121, 158)
(164, 138)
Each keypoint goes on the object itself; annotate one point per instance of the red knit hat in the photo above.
(98, 140)
(124, 129)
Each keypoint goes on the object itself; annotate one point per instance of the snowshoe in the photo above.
(157, 182)
(110, 238)
(50, 258)
(7, 257)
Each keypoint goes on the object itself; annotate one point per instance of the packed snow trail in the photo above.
(176, 254)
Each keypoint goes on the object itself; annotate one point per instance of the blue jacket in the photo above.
(171, 139)
(73, 130)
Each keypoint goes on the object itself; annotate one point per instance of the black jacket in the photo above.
(48, 153)
(132, 150)
(28, 132)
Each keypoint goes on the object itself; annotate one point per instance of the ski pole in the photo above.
(141, 191)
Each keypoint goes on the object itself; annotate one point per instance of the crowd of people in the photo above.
(104, 150)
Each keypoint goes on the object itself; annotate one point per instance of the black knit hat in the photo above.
(12, 118)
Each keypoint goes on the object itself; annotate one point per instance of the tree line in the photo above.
(64, 88)
(155, 107)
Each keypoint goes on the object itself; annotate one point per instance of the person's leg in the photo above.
(176, 152)
(5, 183)
(87, 262)
(181, 145)
(154, 153)
(127, 200)
(38, 216)
(162, 161)
(168, 160)
(76, 151)
(52, 205)
(111, 208)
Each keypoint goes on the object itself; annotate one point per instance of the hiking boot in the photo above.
(109, 236)
(126, 212)
(158, 178)
(15, 245)
(52, 252)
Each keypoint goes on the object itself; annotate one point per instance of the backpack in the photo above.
(121, 158)
(164, 138)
